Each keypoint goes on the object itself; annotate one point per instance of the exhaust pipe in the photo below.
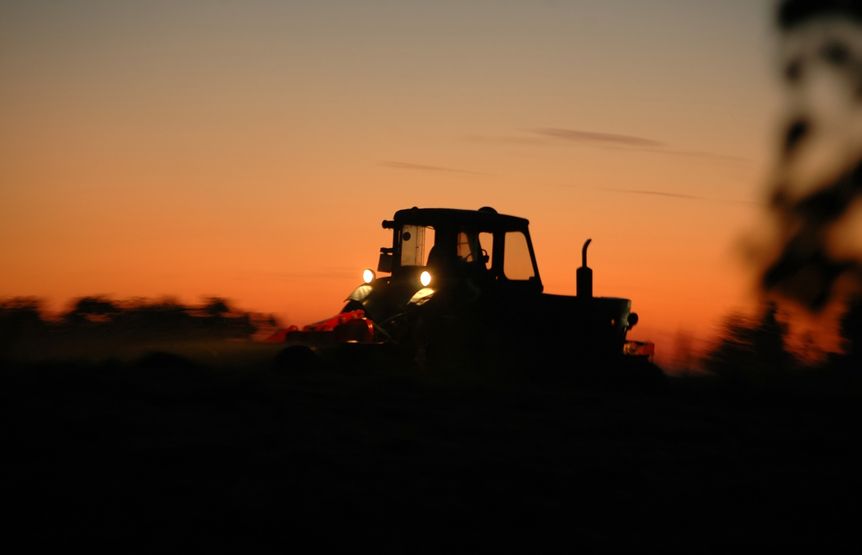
(585, 275)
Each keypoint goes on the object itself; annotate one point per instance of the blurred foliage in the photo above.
(815, 201)
(811, 257)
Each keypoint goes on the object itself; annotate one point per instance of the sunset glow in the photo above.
(251, 149)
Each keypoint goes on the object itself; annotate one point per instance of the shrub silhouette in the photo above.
(91, 309)
(752, 348)
(851, 333)
(20, 321)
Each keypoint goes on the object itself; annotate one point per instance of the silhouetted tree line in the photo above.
(23, 321)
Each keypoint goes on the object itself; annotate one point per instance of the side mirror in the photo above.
(633, 319)
(384, 263)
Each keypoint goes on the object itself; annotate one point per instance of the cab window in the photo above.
(415, 244)
(469, 248)
(486, 245)
(465, 252)
(517, 263)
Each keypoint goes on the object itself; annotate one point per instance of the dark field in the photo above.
(162, 454)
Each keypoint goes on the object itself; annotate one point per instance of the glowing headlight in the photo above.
(425, 279)
(368, 275)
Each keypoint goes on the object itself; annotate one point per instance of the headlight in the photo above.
(425, 278)
(368, 275)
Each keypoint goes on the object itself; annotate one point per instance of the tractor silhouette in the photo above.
(462, 287)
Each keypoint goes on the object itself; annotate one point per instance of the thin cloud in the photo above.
(594, 137)
(655, 193)
(726, 158)
(425, 168)
(679, 196)
(546, 136)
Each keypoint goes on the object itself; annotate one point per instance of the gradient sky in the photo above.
(250, 149)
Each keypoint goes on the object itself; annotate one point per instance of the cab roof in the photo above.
(485, 217)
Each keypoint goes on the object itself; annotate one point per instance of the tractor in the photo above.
(463, 287)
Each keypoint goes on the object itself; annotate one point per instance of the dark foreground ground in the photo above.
(162, 455)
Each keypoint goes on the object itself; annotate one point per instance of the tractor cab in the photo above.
(442, 246)
(460, 259)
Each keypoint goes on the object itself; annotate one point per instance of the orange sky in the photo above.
(251, 149)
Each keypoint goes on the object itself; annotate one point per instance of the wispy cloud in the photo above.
(681, 196)
(550, 136)
(655, 193)
(425, 168)
(596, 137)
(726, 158)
